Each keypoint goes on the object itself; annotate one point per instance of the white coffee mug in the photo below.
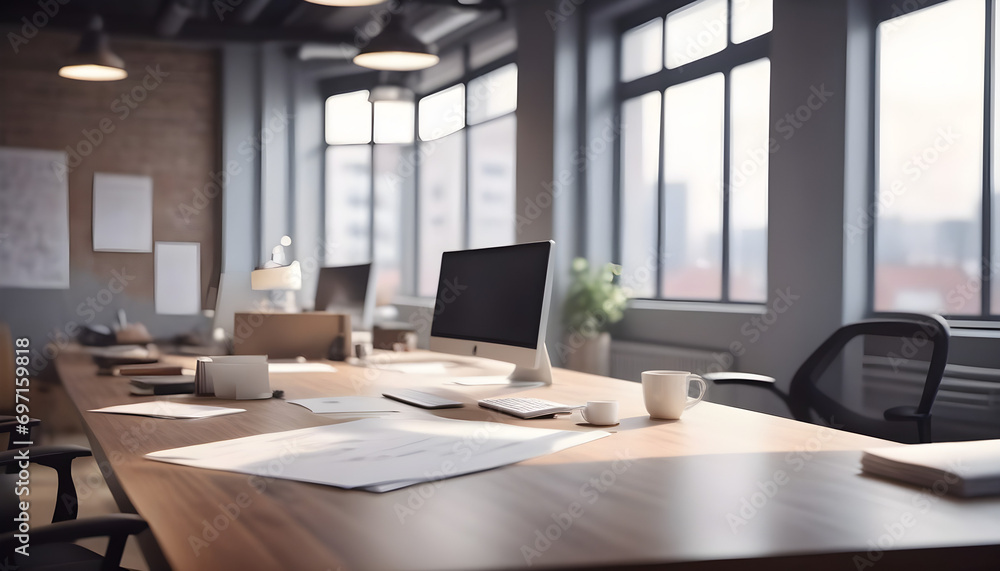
(601, 412)
(665, 393)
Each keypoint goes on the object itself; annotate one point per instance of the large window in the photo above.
(466, 182)
(692, 189)
(369, 172)
(934, 229)
(439, 174)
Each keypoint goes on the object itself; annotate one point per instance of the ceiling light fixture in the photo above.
(346, 3)
(93, 59)
(396, 49)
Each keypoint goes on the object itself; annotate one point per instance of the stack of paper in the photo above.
(233, 377)
(960, 468)
(168, 409)
(377, 454)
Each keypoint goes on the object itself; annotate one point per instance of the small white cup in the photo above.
(665, 393)
(601, 412)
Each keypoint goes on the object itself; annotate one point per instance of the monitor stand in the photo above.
(542, 375)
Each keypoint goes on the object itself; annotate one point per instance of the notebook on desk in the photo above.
(958, 468)
(162, 385)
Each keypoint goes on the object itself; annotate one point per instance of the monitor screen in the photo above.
(344, 289)
(493, 295)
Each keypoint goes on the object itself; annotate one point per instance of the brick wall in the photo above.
(162, 121)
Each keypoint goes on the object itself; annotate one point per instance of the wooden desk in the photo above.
(718, 488)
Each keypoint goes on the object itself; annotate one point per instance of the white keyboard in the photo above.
(526, 407)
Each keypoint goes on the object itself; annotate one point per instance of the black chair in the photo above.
(806, 401)
(51, 546)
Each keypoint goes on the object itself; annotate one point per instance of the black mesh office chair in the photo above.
(806, 401)
(51, 546)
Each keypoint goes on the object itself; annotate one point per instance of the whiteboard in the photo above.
(123, 213)
(34, 219)
(177, 278)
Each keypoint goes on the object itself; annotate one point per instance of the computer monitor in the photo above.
(494, 303)
(347, 289)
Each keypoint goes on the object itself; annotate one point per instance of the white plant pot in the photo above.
(593, 356)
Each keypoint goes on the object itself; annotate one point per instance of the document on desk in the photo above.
(435, 368)
(379, 454)
(348, 404)
(488, 380)
(168, 409)
(300, 368)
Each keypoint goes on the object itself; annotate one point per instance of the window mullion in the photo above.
(987, 206)
(372, 204)
(660, 199)
(726, 152)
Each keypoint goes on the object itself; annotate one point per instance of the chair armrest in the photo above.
(60, 459)
(734, 377)
(116, 527)
(905, 413)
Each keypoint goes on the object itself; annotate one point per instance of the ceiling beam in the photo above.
(173, 16)
(75, 21)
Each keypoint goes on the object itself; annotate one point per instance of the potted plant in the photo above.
(594, 301)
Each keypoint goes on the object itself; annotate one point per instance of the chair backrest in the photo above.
(6, 370)
(916, 332)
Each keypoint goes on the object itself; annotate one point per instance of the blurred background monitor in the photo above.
(350, 290)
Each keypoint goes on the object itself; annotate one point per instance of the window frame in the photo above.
(467, 76)
(732, 56)
(410, 272)
(881, 11)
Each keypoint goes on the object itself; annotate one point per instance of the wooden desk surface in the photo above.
(717, 488)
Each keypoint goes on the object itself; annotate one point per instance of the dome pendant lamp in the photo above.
(93, 59)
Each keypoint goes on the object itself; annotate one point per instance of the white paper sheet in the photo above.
(34, 219)
(487, 380)
(123, 213)
(378, 454)
(178, 278)
(347, 404)
(168, 409)
(434, 368)
(301, 368)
